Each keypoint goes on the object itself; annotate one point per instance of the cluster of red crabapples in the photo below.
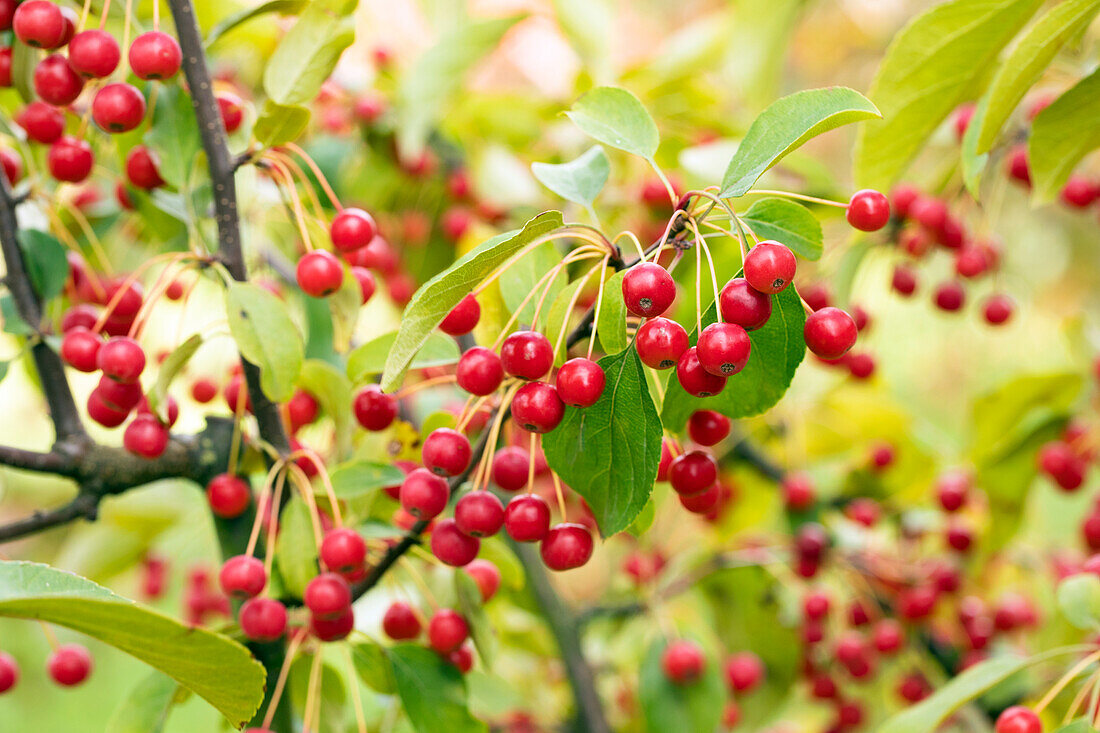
(683, 662)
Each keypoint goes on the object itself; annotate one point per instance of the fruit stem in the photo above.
(356, 700)
(664, 180)
(596, 313)
(420, 583)
(557, 486)
(1065, 680)
(801, 197)
(634, 238)
(295, 201)
(280, 683)
(313, 693)
(569, 310)
(424, 384)
(318, 173)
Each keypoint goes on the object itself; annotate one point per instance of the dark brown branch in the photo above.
(84, 505)
(30, 460)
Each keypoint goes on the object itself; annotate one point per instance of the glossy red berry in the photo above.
(661, 342)
(39, 23)
(683, 662)
(228, 495)
(351, 229)
(527, 518)
(335, 628)
(694, 378)
(104, 413)
(830, 333)
(799, 492)
(451, 546)
(527, 355)
(950, 296)
(319, 273)
(1018, 719)
(70, 665)
(141, 169)
(119, 395)
(742, 304)
(692, 472)
(702, 502)
(479, 371)
(1079, 192)
(904, 280)
(580, 382)
(242, 576)
(707, 427)
(868, 210)
(566, 546)
(400, 622)
(648, 290)
(231, 108)
(9, 672)
(511, 466)
(70, 159)
(423, 494)
(723, 349)
(55, 82)
(537, 407)
(367, 284)
(42, 122)
(487, 577)
(744, 671)
(446, 452)
(343, 550)
(462, 318)
(447, 630)
(145, 436)
(155, 55)
(122, 359)
(79, 349)
(769, 267)
(374, 409)
(479, 514)
(327, 596)
(94, 53)
(997, 309)
(263, 619)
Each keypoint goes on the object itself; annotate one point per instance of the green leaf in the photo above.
(333, 391)
(611, 324)
(308, 53)
(432, 691)
(145, 709)
(1005, 415)
(608, 453)
(1081, 725)
(580, 180)
(1079, 600)
(296, 547)
(668, 706)
(973, 162)
(173, 135)
(787, 222)
(171, 367)
(1062, 134)
(344, 306)
(1027, 60)
(471, 608)
(13, 322)
(279, 124)
(435, 299)
(426, 90)
(373, 666)
(358, 478)
(522, 278)
(266, 337)
(282, 7)
(47, 265)
(617, 118)
(930, 68)
(784, 126)
(24, 60)
(369, 360)
(777, 350)
(926, 716)
(216, 668)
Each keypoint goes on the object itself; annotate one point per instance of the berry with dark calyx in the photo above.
(39, 23)
(723, 349)
(374, 409)
(400, 622)
(648, 289)
(580, 382)
(950, 296)
(769, 267)
(661, 342)
(707, 427)
(141, 169)
(70, 665)
(462, 318)
(486, 576)
(79, 349)
(122, 359)
(242, 576)
(446, 452)
(262, 619)
(70, 159)
(319, 273)
(694, 378)
(145, 436)
(55, 82)
(452, 546)
(155, 55)
(228, 495)
(868, 210)
(537, 408)
(1018, 719)
(830, 332)
(566, 546)
(43, 123)
(9, 672)
(742, 304)
(479, 371)
(424, 494)
(692, 472)
(231, 108)
(447, 629)
(997, 309)
(327, 596)
(683, 662)
(511, 466)
(527, 518)
(527, 355)
(352, 229)
(335, 628)
(94, 53)
(343, 550)
(479, 514)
